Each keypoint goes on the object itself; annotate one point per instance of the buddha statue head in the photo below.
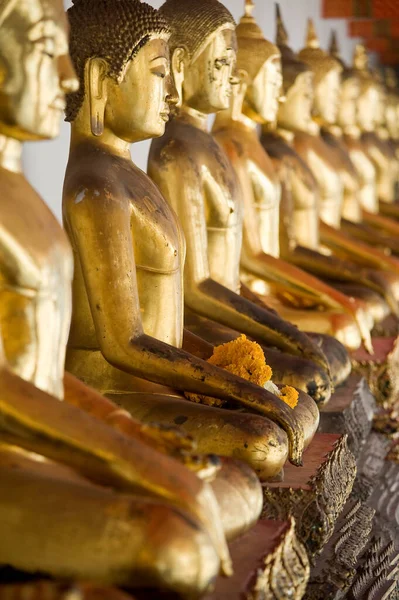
(121, 56)
(259, 68)
(203, 46)
(35, 68)
(350, 89)
(295, 112)
(369, 93)
(327, 73)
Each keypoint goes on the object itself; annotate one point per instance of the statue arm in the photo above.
(374, 262)
(109, 272)
(386, 225)
(282, 275)
(370, 232)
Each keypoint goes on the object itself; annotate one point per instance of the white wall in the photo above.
(45, 161)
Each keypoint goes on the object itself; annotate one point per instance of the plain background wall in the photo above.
(45, 161)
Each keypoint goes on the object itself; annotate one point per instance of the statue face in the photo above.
(265, 91)
(35, 69)
(327, 94)
(207, 81)
(296, 112)
(347, 110)
(138, 108)
(367, 107)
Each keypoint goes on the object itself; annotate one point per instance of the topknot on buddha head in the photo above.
(320, 62)
(113, 30)
(292, 67)
(194, 23)
(253, 48)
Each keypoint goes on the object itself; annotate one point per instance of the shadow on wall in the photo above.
(45, 161)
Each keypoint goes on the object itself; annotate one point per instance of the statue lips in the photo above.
(59, 103)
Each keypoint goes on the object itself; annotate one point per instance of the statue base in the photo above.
(269, 562)
(361, 559)
(350, 411)
(316, 493)
(335, 570)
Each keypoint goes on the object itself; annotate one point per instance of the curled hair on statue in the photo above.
(193, 22)
(112, 30)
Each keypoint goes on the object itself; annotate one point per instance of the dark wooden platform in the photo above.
(268, 563)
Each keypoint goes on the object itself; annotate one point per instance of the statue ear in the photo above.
(243, 80)
(96, 72)
(239, 84)
(178, 68)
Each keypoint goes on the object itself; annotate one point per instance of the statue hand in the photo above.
(269, 405)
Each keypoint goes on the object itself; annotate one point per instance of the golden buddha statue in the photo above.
(212, 219)
(255, 100)
(300, 242)
(126, 337)
(378, 272)
(373, 133)
(38, 429)
(361, 207)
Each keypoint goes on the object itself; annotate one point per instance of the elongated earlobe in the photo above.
(96, 74)
(178, 72)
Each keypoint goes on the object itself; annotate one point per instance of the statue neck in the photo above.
(235, 116)
(194, 117)
(10, 154)
(111, 143)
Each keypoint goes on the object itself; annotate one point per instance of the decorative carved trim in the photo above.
(381, 373)
(285, 573)
(377, 577)
(393, 454)
(336, 568)
(354, 416)
(316, 507)
(370, 465)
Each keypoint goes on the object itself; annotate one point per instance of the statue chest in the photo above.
(157, 237)
(37, 256)
(221, 193)
(326, 170)
(294, 171)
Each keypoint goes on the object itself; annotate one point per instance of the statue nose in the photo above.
(68, 80)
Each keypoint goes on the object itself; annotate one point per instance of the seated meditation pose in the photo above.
(374, 135)
(60, 465)
(326, 163)
(316, 193)
(295, 294)
(360, 211)
(193, 173)
(126, 335)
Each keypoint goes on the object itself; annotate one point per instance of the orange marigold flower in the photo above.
(243, 358)
(240, 357)
(289, 395)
